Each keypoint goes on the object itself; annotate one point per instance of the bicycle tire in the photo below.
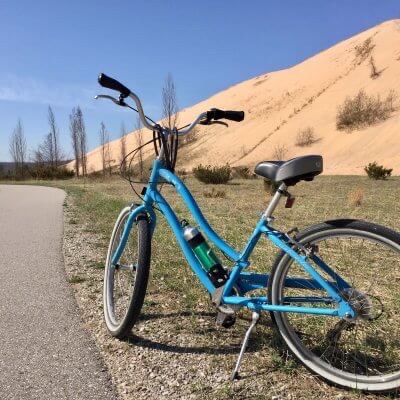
(296, 335)
(137, 280)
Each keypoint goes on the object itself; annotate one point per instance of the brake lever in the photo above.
(211, 122)
(220, 122)
(119, 102)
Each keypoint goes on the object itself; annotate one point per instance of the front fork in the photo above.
(136, 210)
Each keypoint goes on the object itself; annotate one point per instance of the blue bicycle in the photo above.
(334, 289)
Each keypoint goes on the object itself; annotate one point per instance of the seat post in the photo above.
(274, 201)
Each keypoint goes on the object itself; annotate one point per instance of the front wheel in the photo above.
(125, 282)
(361, 353)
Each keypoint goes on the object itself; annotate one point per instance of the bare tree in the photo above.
(169, 103)
(82, 139)
(49, 150)
(139, 143)
(73, 128)
(122, 156)
(53, 140)
(17, 148)
(37, 157)
(46, 150)
(103, 141)
(109, 160)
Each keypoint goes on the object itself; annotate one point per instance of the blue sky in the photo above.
(52, 51)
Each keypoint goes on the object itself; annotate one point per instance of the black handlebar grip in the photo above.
(111, 83)
(220, 114)
(234, 115)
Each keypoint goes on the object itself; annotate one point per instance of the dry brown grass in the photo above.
(214, 194)
(178, 327)
(355, 197)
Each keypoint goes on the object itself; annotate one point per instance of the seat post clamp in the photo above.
(289, 198)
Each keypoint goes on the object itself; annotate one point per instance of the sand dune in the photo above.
(279, 104)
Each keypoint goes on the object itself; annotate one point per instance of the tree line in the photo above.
(48, 160)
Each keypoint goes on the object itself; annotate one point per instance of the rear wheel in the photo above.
(125, 283)
(361, 353)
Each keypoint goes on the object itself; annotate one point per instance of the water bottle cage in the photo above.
(218, 275)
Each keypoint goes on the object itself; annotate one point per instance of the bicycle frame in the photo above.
(238, 278)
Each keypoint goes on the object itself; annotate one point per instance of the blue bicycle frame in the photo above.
(238, 278)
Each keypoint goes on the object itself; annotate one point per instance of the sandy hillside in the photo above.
(279, 104)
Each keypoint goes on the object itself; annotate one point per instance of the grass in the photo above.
(76, 279)
(184, 319)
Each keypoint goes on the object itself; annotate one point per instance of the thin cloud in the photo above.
(27, 90)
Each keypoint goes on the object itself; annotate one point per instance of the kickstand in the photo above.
(254, 319)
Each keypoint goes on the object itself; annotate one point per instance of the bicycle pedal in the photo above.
(226, 316)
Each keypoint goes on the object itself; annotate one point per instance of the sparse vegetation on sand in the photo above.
(305, 137)
(364, 110)
(280, 152)
(216, 175)
(364, 50)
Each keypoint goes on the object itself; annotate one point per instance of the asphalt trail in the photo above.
(45, 352)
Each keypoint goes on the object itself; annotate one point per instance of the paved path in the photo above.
(44, 351)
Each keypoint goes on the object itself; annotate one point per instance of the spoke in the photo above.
(124, 273)
(360, 260)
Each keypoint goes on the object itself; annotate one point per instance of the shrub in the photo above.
(215, 175)
(214, 194)
(46, 172)
(280, 152)
(305, 137)
(181, 173)
(364, 49)
(96, 175)
(243, 173)
(364, 110)
(375, 171)
(355, 197)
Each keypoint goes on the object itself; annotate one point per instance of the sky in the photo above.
(52, 52)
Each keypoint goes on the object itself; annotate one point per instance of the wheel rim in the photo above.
(365, 351)
(121, 278)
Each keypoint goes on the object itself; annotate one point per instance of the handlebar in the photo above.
(206, 117)
(111, 83)
(216, 114)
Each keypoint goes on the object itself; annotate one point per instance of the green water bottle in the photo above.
(205, 255)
